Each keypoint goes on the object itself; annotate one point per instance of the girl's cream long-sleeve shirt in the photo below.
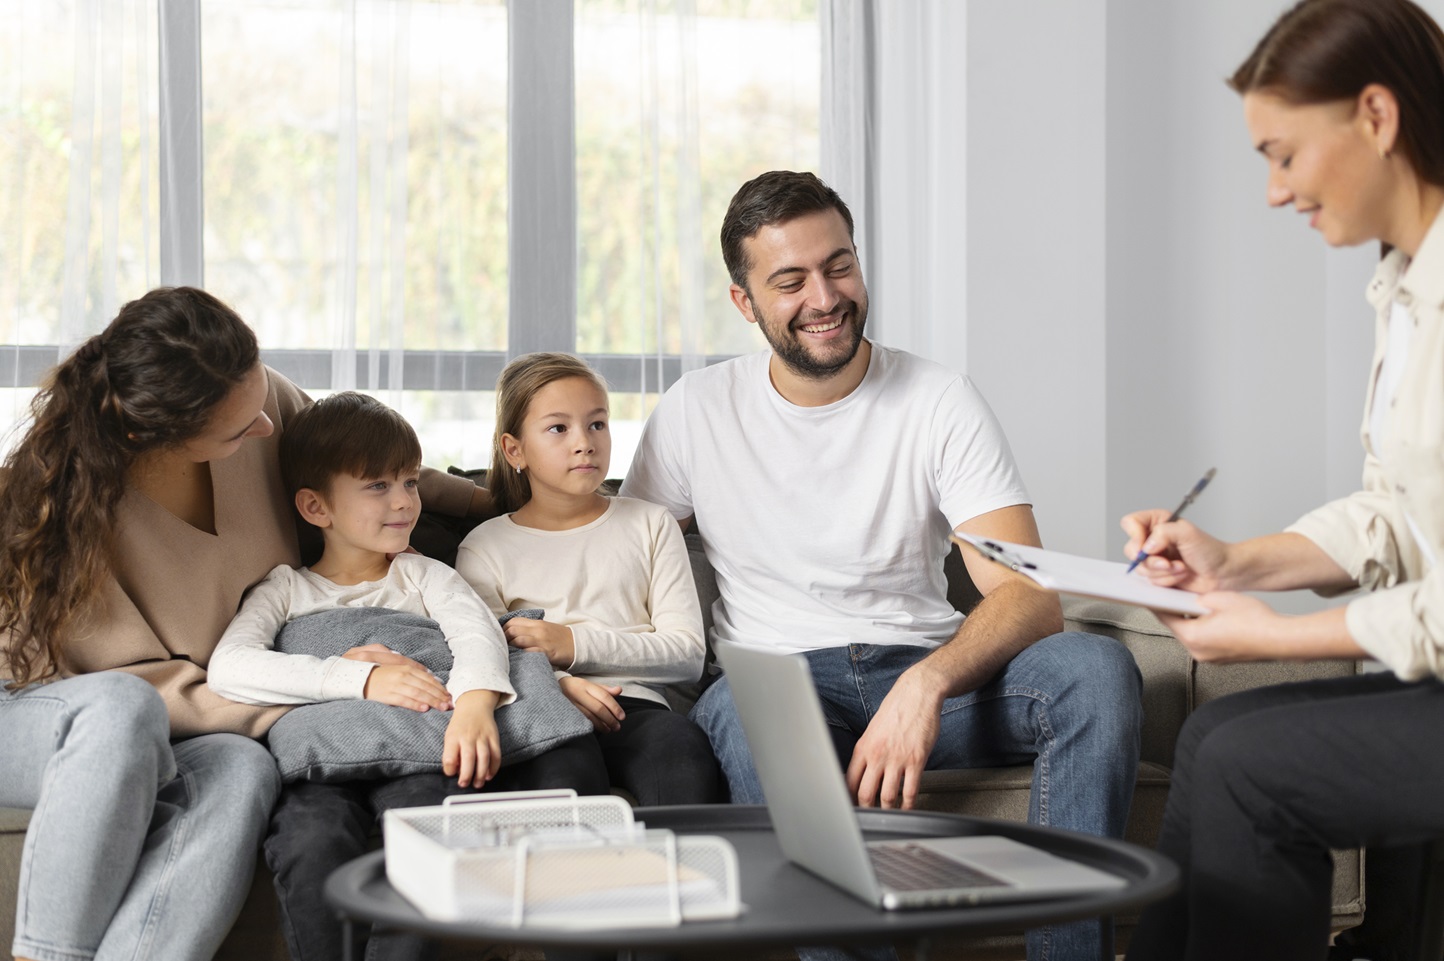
(622, 583)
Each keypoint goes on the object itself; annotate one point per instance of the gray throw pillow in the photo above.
(358, 740)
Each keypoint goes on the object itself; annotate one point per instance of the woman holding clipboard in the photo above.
(1345, 100)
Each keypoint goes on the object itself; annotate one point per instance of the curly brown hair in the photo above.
(149, 381)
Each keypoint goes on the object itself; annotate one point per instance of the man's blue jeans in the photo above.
(1068, 704)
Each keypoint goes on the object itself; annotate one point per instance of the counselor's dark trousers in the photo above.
(316, 828)
(1265, 782)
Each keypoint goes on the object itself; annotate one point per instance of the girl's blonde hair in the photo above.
(519, 383)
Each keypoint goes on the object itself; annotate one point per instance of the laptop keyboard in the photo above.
(911, 867)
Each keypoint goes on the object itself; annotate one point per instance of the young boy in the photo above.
(351, 464)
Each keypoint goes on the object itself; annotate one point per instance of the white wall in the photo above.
(1036, 320)
(1136, 313)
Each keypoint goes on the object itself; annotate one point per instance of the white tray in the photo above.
(557, 860)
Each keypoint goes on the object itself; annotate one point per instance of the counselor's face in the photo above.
(805, 292)
(1324, 160)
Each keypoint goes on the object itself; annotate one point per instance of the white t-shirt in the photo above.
(246, 667)
(827, 525)
(622, 583)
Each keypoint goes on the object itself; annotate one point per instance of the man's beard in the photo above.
(799, 360)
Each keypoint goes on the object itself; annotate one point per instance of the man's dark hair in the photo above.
(346, 433)
(772, 198)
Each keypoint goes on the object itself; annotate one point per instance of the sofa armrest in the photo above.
(1166, 667)
(1217, 680)
(1174, 685)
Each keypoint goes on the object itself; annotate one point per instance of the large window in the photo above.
(399, 195)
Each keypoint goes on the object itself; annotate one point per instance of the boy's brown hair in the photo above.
(346, 433)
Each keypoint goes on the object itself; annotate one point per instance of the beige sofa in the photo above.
(1173, 685)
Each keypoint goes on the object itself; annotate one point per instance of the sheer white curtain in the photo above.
(369, 304)
(344, 181)
(894, 145)
(670, 168)
(111, 135)
(77, 178)
(386, 127)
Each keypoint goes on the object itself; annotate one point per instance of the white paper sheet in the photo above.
(1070, 574)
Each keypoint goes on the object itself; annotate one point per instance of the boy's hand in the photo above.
(598, 703)
(378, 654)
(553, 640)
(473, 748)
(399, 681)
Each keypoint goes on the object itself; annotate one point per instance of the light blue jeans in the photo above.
(137, 848)
(1068, 704)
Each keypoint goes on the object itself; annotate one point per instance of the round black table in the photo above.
(784, 905)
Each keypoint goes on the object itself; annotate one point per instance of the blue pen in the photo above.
(1188, 499)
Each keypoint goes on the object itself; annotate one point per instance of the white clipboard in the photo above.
(1070, 574)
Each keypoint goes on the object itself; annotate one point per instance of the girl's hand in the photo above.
(399, 681)
(598, 703)
(1179, 554)
(553, 640)
(1237, 628)
(472, 751)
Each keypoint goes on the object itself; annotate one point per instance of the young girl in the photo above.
(612, 575)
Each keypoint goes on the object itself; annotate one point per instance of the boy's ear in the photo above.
(312, 507)
(511, 447)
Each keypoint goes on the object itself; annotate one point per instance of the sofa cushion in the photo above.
(351, 740)
(1166, 667)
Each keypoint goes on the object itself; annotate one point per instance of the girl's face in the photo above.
(234, 419)
(565, 444)
(1324, 159)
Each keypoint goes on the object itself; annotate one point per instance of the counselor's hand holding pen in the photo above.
(1177, 553)
(1180, 554)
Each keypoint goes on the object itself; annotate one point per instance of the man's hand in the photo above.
(598, 703)
(553, 640)
(889, 758)
(472, 748)
(399, 681)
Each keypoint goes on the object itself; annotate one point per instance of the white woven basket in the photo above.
(555, 860)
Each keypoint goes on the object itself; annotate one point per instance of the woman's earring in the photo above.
(518, 470)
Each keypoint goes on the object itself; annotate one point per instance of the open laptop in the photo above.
(817, 825)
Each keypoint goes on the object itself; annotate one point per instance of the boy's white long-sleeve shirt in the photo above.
(622, 583)
(246, 667)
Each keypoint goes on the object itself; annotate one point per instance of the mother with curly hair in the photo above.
(142, 502)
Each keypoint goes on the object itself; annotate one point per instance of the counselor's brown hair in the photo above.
(1323, 51)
